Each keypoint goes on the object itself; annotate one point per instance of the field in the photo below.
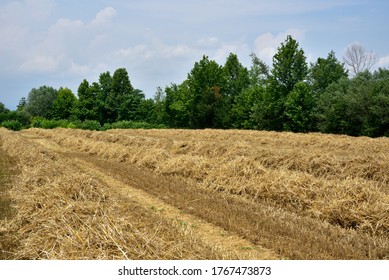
(192, 194)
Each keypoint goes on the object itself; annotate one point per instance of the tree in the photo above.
(259, 72)
(358, 59)
(289, 65)
(123, 100)
(298, 109)
(129, 108)
(244, 106)
(289, 68)
(176, 105)
(22, 104)
(63, 107)
(236, 80)
(3, 109)
(159, 100)
(246, 102)
(87, 101)
(325, 72)
(105, 81)
(40, 100)
(356, 107)
(205, 90)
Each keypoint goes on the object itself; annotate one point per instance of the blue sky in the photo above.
(60, 43)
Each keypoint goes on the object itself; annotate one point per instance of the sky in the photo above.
(60, 43)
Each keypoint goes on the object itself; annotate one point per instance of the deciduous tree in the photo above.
(358, 59)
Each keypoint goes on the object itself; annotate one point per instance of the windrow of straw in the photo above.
(338, 179)
(65, 213)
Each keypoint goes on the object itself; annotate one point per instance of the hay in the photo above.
(337, 180)
(311, 173)
(63, 213)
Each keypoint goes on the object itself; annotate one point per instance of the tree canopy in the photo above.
(288, 95)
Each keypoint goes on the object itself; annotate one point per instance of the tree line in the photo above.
(288, 96)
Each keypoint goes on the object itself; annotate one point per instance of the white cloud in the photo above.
(62, 49)
(383, 61)
(139, 51)
(79, 70)
(266, 45)
(208, 42)
(104, 16)
(41, 63)
(27, 11)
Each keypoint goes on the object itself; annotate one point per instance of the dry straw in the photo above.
(280, 190)
(64, 213)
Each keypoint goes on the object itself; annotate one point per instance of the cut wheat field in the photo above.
(192, 194)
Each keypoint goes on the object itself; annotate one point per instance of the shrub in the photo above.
(132, 125)
(50, 124)
(12, 124)
(90, 125)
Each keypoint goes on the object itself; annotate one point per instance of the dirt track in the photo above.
(85, 198)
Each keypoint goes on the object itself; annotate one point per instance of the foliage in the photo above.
(64, 105)
(12, 125)
(15, 120)
(325, 72)
(288, 96)
(90, 125)
(298, 109)
(205, 93)
(40, 101)
(289, 66)
(132, 125)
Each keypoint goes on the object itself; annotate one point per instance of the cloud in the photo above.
(266, 44)
(104, 17)
(383, 61)
(62, 48)
(41, 63)
(208, 42)
(27, 11)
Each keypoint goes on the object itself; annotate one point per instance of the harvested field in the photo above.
(195, 194)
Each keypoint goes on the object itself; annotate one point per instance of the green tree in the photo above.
(236, 80)
(176, 106)
(289, 66)
(325, 72)
(205, 82)
(159, 100)
(22, 104)
(105, 81)
(87, 101)
(123, 100)
(245, 103)
(259, 72)
(129, 110)
(244, 106)
(3, 109)
(40, 100)
(298, 109)
(120, 88)
(331, 108)
(64, 106)
(146, 111)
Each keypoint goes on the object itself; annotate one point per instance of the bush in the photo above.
(90, 125)
(132, 125)
(50, 124)
(12, 124)
(37, 122)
